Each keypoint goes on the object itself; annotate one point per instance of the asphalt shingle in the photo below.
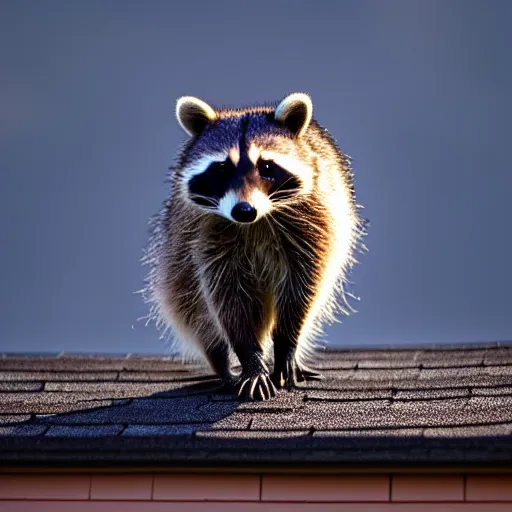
(84, 431)
(10, 419)
(22, 430)
(20, 386)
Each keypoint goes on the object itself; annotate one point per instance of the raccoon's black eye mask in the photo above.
(282, 182)
(225, 167)
(211, 185)
(268, 169)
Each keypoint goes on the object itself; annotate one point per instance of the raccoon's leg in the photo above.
(292, 306)
(218, 356)
(242, 316)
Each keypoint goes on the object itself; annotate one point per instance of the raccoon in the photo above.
(253, 247)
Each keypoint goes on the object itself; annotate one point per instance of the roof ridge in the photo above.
(467, 346)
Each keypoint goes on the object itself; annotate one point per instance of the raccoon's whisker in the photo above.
(290, 213)
(290, 191)
(301, 245)
(291, 197)
(288, 196)
(282, 185)
(213, 202)
(268, 219)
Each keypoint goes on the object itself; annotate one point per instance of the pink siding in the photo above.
(325, 488)
(121, 487)
(203, 487)
(45, 486)
(160, 506)
(489, 488)
(427, 488)
(217, 492)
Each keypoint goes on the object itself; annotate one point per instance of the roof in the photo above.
(426, 406)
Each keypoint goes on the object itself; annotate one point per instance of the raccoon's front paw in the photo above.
(230, 382)
(258, 386)
(290, 373)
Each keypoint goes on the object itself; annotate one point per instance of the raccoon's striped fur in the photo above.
(256, 240)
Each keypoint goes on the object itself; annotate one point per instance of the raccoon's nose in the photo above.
(244, 212)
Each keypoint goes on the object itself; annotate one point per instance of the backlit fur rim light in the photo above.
(199, 105)
(286, 106)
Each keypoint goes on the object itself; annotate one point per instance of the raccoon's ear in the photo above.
(194, 114)
(295, 112)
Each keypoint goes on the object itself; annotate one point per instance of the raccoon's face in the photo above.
(243, 164)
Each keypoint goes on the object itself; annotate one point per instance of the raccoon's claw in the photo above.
(257, 387)
(292, 373)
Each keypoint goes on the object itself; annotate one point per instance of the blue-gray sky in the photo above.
(417, 92)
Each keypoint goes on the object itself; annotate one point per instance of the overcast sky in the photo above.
(417, 92)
